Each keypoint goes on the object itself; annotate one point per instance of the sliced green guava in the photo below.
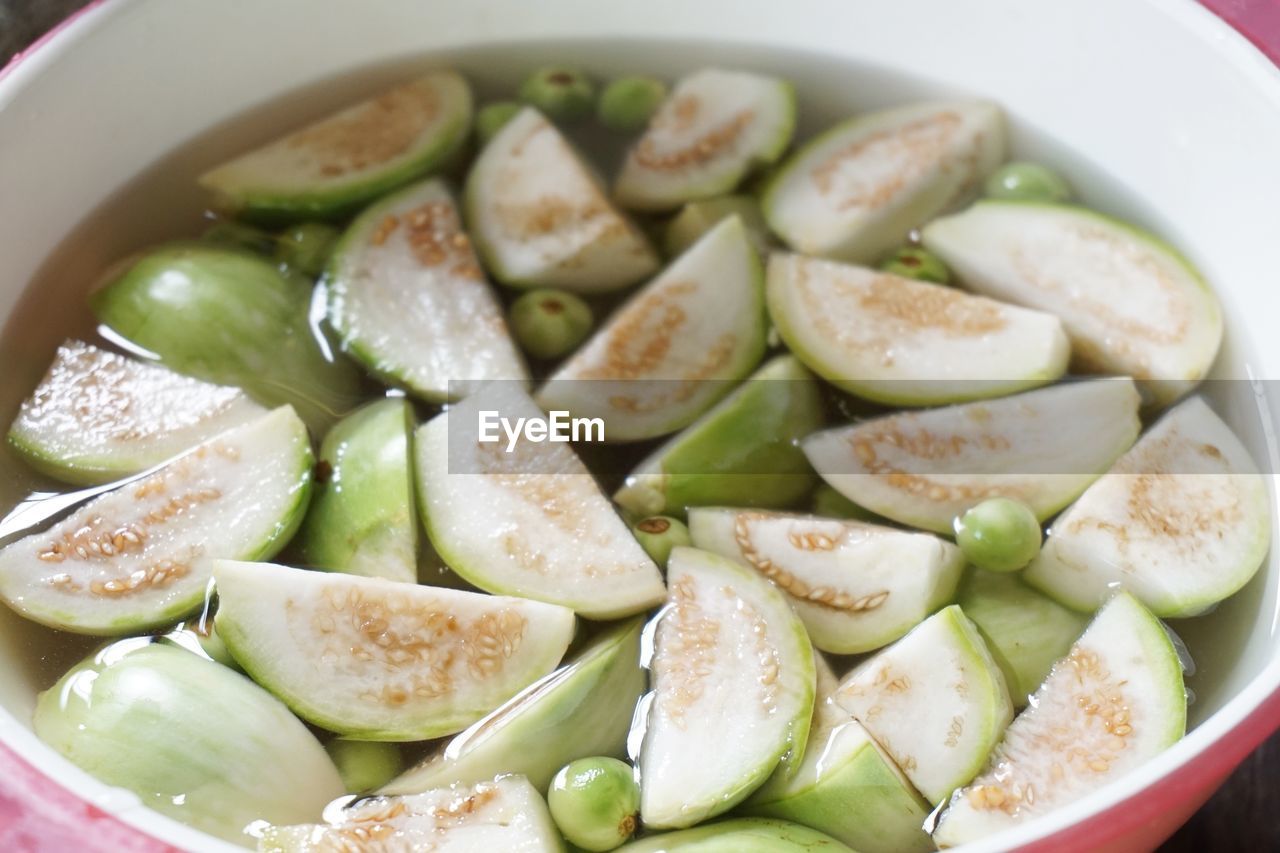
(410, 302)
(1182, 521)
(909, 343)
(139, 556)
(926, 468)
(675, 347)
(375, 659)
(856, 586)
(733, 681)
(332, 167)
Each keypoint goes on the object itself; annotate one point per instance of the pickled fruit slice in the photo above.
(580, 710)
(1025, 631)
(504, 814)
(98, 416)
(1130, 303)
(337, 164)
(380, 660)
(526, 519)
(733, 680)
(739, 835)
(675, 347)
(193, 739)
(846, 786)
(856, 586)
(139, 556)
(541, 218)
(362, 517)
(1114, 702)
(229, 317)
(857, 190)
(926, 468)
(713, 129)
(935, 701)
(410, 302)
(743, 451)
(905, 342)
(1182, 521)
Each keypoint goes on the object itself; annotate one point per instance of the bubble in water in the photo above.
(1184, 655)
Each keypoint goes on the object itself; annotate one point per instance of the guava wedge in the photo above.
(1130, 303)
(505, 814)
(408, 298)
(935, 701)
(139, 556)
(232, 318)
(1026, 631)
(1115, 701)
(379, 660)
(733, 681)
(582, 709)
(98, 416)
(529, 521)
(698, 217)
(908, 343)
(743, 451)
(846, 786)
(362, 517)
(856, 586)
(1182, 521)
(856, 191)
(675, 347)
(739, 835)
(925, 468)
(541, 218)
(193, 739)
(714, 128)
(337, 164)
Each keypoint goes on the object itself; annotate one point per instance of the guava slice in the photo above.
(529, 521)
(582, 709)
(1182, 521)
(1129, 302)
(541, 218)
(856, 191)
(362, 517)
(733, 681)
(505, 814)
(739, 835)
(333, 166)
(908, 343)
(233, 318)
(925, 468)
(743, 451)
(380, 660)
(714, 128)
(675, 347)
(139, 556)
(1115, 701)
(98, 416)
(193, 739)
(846, 786)
(408, 298)
(935, 701)
(1026, 632)
(856, 586)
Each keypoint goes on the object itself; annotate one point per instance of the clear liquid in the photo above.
(165, 203)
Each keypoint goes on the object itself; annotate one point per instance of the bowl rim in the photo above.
(1252, 714)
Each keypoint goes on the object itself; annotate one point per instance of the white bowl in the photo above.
(1155, 109)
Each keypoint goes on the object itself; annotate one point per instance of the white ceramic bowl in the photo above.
(1155, 109)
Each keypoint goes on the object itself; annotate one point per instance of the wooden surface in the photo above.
(1243, 816)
